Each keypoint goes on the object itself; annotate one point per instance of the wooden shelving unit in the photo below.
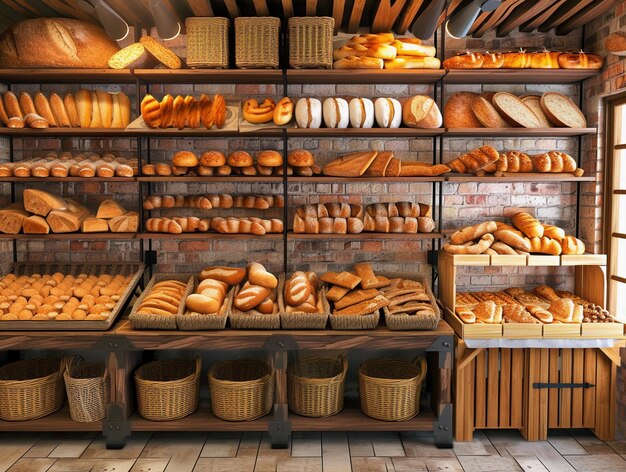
(216, 178)
(367, 235)
(57, 421)
(212, 76)
(67, 76)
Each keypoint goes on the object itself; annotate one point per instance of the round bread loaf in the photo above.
(185, 159)
(300, 158)
(240, 159)
(269, 158)
(212, 159)
(457, 113)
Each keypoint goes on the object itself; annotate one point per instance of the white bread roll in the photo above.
(388, 112)
(361, 113)
(336, 113)
(309, 113)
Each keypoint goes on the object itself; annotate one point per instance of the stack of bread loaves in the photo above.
(375, 51)
(258, 293)
(164, 299)
(43, 297)
(380, 164)
(524, 60)
(419, 111)
(210, 294)
(184, 112)
(229, 225)
(43, 212)
(503, 110)
(63, 164)
(214, 200)
(346, 296)
(526, 236)
(81, 109)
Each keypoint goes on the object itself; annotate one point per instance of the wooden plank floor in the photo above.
(491, 451)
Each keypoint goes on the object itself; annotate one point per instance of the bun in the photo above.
(258, 275)
(388, 112)
(185, 159)
(240, 159)
(421, 111)
(300, 158)
(212, 159)
(269, 158)
(283, 111)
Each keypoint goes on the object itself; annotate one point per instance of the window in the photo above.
(615, 173)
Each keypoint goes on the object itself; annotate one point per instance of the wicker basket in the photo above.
(348, 322)
(311, 42)
(404, 321)
(207, 42)
(254, 319)
(257, 42)
(315, 386)
(191, 321)
(31, 389)
(241, 390)
(390, 388)
(168, 390)
(301, 320)
(88, 388)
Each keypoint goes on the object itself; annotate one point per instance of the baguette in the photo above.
(365, 272)
(485, 243)
(343, 279)
(470, 233)
(251, 296)
(365, 307)
(258, 275)
(356, 296)
(230, 275)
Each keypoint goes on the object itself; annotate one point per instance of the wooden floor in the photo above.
(492, 451)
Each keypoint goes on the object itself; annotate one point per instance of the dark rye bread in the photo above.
(562, 111)
(514, 111)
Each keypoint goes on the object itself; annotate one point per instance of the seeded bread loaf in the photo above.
(562, 111)
(514, 111)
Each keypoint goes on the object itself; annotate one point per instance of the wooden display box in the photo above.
(533, 390)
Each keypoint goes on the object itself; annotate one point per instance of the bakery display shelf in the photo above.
(210, 235)
(352, 419)
(66, 132)
(513, 177)
(364, 132)
(209, 179)
(74, 236)
(325, 179)
(52, 338)
(518, 76)
(364, 76)
(210, 76)
(57, 421)
(66, 76)
(202, 419)
(522, 260)
(26, 180)
(518, 132)
(268, 132)
(367, 235)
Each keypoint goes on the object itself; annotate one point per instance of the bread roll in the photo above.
(250, 296)
(258, 275)
(308, 113)
(388, 112)
(336, 113)
(361, 113)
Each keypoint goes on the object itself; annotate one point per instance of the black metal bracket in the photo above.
(150, 257)
(279, 428)
(562, 385)
(444, 345)
(113, 343)
(443, 427)
(280, 343)
(115, 427)
(432, 257)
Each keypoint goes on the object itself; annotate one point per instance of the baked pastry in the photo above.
(253, 112)
(308, 113)
(388, 112)
(336, 113)
(361, 113)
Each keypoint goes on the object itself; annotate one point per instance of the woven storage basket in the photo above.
(192, 321)
(31, 389)
(241, 390)
(207, 42)
(257, 42)
(253, 319)
(140, 320)
(301, 320)
(390, 388)
(88, 388)
(169, 389)
(311, 42)
(347, 322)
(315, 386)
(404, 321)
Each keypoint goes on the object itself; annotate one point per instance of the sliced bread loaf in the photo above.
(514, 111)
(562, 111)
(162, 53)
(134, 56)
(534, 103)
(487, 114)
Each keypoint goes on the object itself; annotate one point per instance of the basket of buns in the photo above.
(311, 42)
(168, 389)
(208, 306)
(256, 301)
(390, 388)
(257, 42)
(88, 388)
(315, 386)
(161, 302)
(303, 304)
(241, 390)
(412, 304)
(31, 389)
(207, 42)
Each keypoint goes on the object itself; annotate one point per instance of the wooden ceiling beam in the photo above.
(355, 16)
(311, 7)
(287, 8)
(497, 16)
(21, 9)
(260, 6)
(533, 24)
(201, 7)
(386, 15)
(563, 13)
(408, 16)
(520, 15)
(133, 11)
(338, 8)
(588, 14)
(233, 8)
(63, 9)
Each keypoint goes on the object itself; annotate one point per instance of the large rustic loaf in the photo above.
(514, 111)
(457, 112)
(562, 111)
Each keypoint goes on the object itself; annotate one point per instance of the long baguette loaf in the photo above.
(471, 233)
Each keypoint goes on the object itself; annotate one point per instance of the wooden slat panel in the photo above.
(517, 386)
(521, 14)
(386, 15)
(20, 8)
(533, 24)
(233, 8)
(553, 394)
(469, 400)
(65, 10)
(287, 8)
(605, 382)
(589, 395)
(355, 16)
(311, 7)
(496, 16)
(201, 7)
(588, 14)
(481, 390)
(493, 397)
(338, 8)
(566, 393)
(454, 4)
(260, 6)
(542, 424)
(408, 16)
(577, 393)
(463, 417)
(136, 15)
(505, 388)
(563, 13)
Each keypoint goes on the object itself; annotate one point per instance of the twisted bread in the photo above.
(474, 160)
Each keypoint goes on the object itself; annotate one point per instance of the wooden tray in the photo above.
(474, 330)
(113, 268)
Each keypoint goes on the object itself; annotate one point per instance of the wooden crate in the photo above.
(499, 388)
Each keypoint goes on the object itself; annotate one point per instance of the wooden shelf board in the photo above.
(65, 132)
(26, 180)
(521, 260)
(352, 419)
(207, 236)
(210, 179)
(72, 236)
(364, 76)
(521, 177)
(364, 235)
(119, 132)
(347, 180)
(518, 132)
(49, 339)
(57, 421)
(66, 76)
(518, 76)
(211, 76)
(364, 132)
(201, 420)
(204, 133)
